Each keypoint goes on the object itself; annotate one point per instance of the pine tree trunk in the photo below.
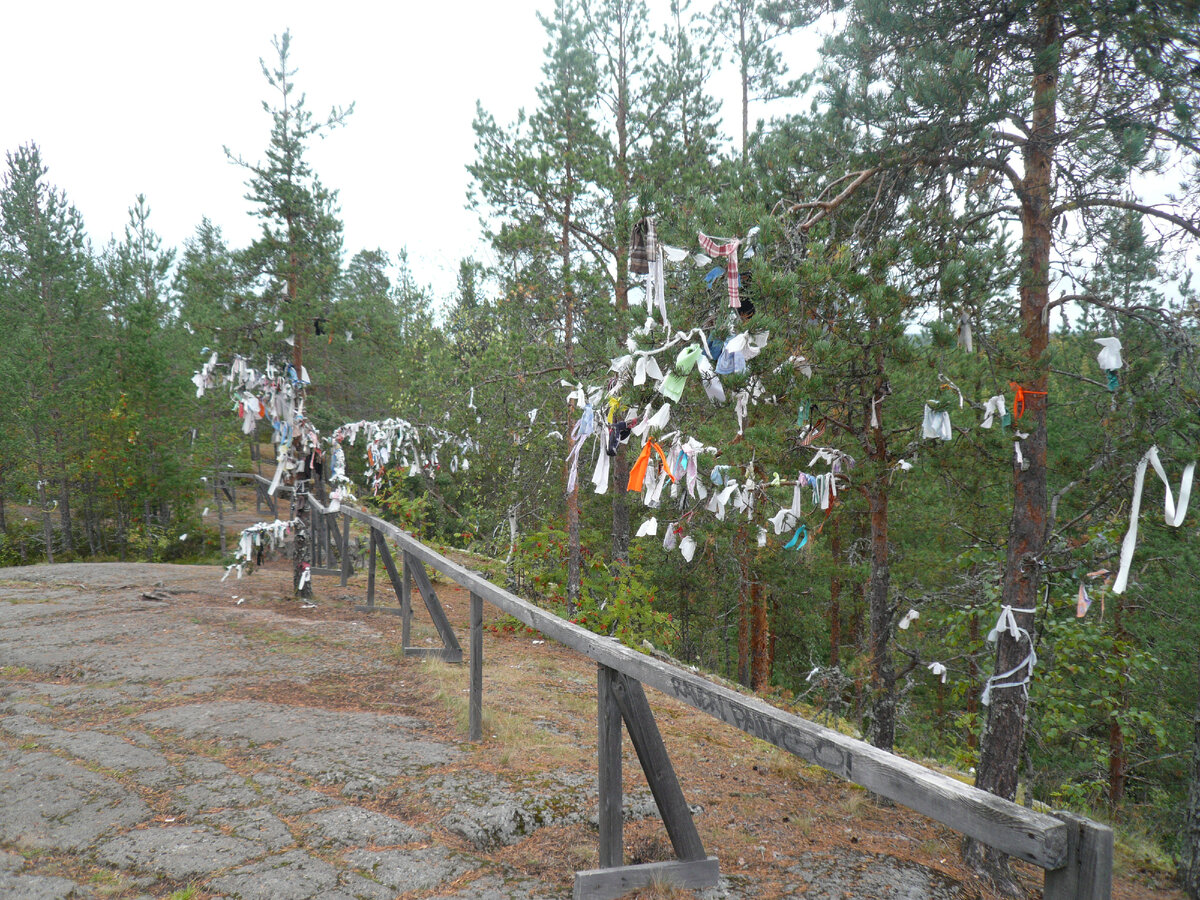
(1189, 867)
(89, 517)
(574, 556)
(835, 594)
(620, 516)
(64, 492)
(47, 528)
(146, 530)
(1118, 759)
(743, 54)
(620, 463)
(301, 544)
(1004, 734)
(882, 730)
(218, 499)
(743, 608)
(760, 667)
(973, 680)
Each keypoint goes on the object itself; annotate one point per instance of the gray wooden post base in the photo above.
(620, 697)
(475, 700)
(345, 572)
(604, 884)
(1087, 873)
(414, 569)
(325, 544)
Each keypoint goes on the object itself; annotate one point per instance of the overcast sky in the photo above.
(139, 97)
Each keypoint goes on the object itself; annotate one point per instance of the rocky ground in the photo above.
(166, 734)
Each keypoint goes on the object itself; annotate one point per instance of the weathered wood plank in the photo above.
(609, 787)
(1087, 874)
(345, 572)
(406, 602)
(656, 765)
(389, 564)
(475, 700)
(325, 571)
(606, 884)
(1025, 834)
(436, 613)
(371, 570)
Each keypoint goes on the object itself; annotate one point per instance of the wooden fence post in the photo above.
(371, 572)
(1087, 873)
(406, 601)
(476, 694)
(609, 788)
(345, 550)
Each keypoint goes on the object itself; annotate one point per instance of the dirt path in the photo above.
(256, 749)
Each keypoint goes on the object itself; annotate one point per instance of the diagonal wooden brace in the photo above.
(622, 698)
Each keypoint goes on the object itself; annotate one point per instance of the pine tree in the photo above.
(298, 254)
(743, 27)
(49, 313)
(1058, 104)
(539, 177)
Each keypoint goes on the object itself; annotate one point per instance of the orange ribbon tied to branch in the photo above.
(637, 475)
(1019, 398)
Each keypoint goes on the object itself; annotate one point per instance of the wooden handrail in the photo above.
(1076, 852)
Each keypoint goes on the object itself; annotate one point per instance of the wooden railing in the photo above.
(1076, 853)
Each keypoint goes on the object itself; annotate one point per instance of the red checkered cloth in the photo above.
(729, 250)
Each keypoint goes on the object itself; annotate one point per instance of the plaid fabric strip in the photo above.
(729, 250)
(639, 246)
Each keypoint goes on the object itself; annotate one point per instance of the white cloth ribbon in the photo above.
(782, 521)
(709, 378)
(1008, 623)
(649, 528)
(600, 475)
(994, 407)
(1173, 514)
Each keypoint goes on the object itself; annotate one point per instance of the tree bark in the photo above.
(620, 463)
(47, 528)
(1004, 734)
(1190, 862)
(1118, 758)
(882, 731)
(835, 594)
(760, 667)
(574, 554)
(743, 52)
(973, 680)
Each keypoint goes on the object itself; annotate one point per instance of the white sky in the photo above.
(139, 97)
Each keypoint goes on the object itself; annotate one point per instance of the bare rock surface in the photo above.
(148, 746)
